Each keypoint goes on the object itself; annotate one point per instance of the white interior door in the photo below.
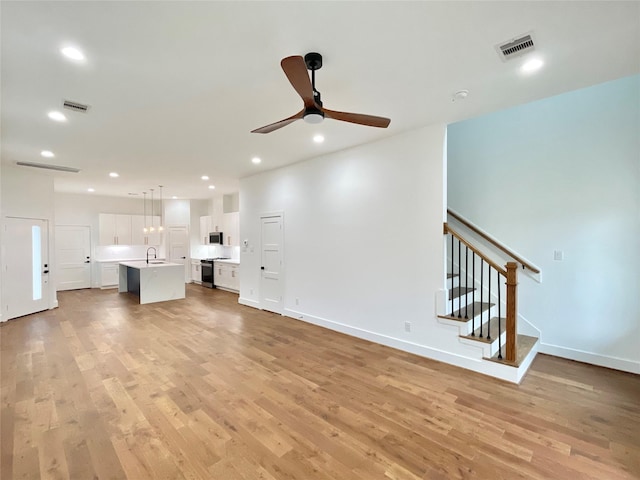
(178, 248)
(73, 257)
(26, 266)
(271, 266)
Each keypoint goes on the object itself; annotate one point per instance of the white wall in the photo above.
(177, 213)
(563, 174)
(29, 194)
(363, 242)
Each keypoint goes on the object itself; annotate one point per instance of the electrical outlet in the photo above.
(558, 255)
(407, 326)
(251, 291)
(297, 301)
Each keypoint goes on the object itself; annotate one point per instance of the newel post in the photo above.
(512, 311)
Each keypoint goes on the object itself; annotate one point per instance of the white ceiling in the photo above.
(176, 87)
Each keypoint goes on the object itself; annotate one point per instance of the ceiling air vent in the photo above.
(47, 166)
(516, 47)
(75, 106)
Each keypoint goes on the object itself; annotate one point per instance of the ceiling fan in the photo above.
(295, 68)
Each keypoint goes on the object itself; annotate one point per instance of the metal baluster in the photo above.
(451, 291)
(459, 276)
(499, 320)
(481, 288)
(473, 294)
(466, 281)
(489, 310)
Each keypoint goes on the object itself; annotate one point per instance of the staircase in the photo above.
(482, 306)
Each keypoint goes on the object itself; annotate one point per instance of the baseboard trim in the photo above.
(615, 363)
(493, 369)
(249, 303)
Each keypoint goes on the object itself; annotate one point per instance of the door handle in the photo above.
(87, 261)
(46, 271)
(183, 257)
(261, 268)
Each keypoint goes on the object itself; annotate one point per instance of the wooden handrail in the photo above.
(448, 229)
(493, 241)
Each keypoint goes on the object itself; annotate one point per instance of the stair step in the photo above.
(451, 275)
(493, 331)
(525, 345)
(459, 291)
(479, 307)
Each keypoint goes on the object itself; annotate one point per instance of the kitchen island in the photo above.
(152, 282)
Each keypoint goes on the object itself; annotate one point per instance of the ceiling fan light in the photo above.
(313, 118)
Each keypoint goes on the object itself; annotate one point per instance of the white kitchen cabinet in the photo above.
(205, 228)
(196, 271)
(226, 276)
(139, 237)
(231, 228)
(114, 229)
(109, 275)
(235, 278)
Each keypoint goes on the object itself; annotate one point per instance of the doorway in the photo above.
(26, 266)
(178, 248)
(271, 270)
(73, 257)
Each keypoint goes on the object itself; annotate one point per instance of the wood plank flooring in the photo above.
(203, 388)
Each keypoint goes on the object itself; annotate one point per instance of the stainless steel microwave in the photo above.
(216, 238)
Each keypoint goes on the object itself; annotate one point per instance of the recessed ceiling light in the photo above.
(57, 116)
(174, 197)
(211, 187)
(72, 53)
(47, 153)
(114, 175)
(459, 95)
(318, 138)
(256, 160)
(90, 190)
(532, 65)
(204, 177)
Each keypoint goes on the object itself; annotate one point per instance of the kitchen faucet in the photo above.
(155, 253)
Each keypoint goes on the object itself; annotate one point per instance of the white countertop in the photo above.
(142, 264)
(226, 260)
(229, 260)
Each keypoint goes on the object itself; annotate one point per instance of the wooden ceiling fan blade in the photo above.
(282, 123)
(296, 71)
(359, 118)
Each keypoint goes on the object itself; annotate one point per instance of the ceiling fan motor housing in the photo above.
(313, 61)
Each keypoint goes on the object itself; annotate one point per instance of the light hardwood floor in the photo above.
(203, 388)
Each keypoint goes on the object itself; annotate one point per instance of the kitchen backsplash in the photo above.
(215, 251)
(124, 252)
(130, 252)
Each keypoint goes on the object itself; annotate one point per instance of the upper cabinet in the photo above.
(231, 228)
(138, 235)
(205, 228)
(115, 229)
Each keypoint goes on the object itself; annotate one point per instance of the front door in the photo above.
(26, 266)
(271, 266)
(73, 260)
(178, 248)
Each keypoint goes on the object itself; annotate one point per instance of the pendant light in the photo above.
(144, 208)
(151, 229)
(161, 228)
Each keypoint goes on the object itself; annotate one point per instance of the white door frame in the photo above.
(48, 299)
(87, 260)
(187, 259)
(281, 272)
